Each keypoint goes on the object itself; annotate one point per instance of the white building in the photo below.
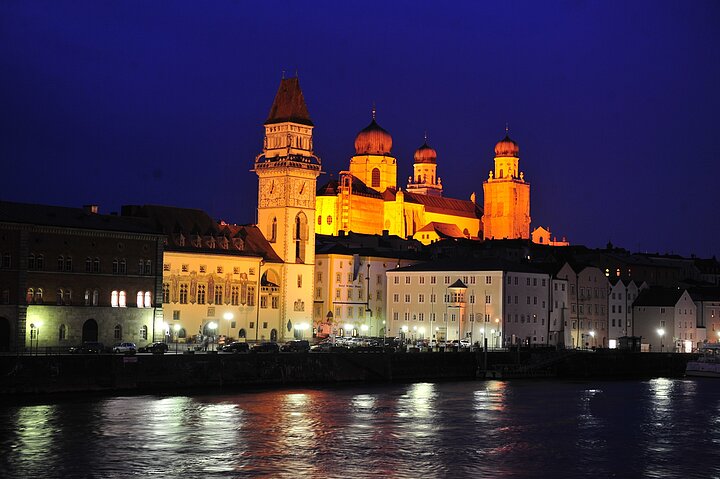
(502, 302)
(620, 312)
(665, 319)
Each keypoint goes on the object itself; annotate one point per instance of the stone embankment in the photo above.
(170, 372)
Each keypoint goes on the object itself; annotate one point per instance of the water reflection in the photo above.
(659, 428)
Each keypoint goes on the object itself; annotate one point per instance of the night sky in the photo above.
(615, 105)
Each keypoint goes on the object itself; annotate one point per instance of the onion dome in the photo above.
(507, 147)
(373, 140)
(425, 154)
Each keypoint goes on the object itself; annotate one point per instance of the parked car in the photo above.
(267, 347)
(296, 346)
(236, 347)
(88, 347)
(127, 348)
(156, 347)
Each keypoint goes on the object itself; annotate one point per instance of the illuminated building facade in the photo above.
(215, 274)
(70, 275)
(506, 212)
(366, 198)
(471, 300)
(350, 282)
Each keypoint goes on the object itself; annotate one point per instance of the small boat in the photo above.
(707, 365)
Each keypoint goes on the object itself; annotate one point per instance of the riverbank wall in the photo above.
(170, 372)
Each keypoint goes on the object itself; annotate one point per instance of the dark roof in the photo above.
(192, 222)
(443, 230)
(479, 264)
(440, 204)
(659, 296)
(458, 284)
(289, 104)
(81, 218)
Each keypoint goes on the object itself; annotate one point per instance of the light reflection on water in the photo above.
(657, 428)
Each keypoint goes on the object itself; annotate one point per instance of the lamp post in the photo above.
(492, 338)
(33, 332)
(212, 327)
(177, 330)
(661, 333)
(228, 317)
(404, 330)
(499, 331)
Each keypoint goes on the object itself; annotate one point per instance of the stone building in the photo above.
(665, 319)
(70, 275)
(587, 296)
(215, 274)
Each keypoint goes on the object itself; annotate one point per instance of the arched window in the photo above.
(242, 333)
(31, 261)
(88, 264)
(143, 332)
(115, 266)
(320, 220)
(39, 262)
(181, 333)
(114, 299)
(148, 297)
(501, 173)
(96, 297)
(123, 266)
(300, 237)
(117, 332)
(140, 297)
(375, 182)
(273, 231)
(96, 265)
(123, 299)
(87, 297)
(59, 297)
(39, 296)
(62, 332)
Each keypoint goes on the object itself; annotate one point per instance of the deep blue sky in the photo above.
(614, 104)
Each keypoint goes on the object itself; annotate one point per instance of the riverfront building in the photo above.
(665, 319)
(69, 275)
(507, 303)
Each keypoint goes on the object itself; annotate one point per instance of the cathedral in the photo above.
(366, 198)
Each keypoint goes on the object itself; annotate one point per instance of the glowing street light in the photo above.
(592, 335)
(661, 333)
(348, 329)
(364, 328)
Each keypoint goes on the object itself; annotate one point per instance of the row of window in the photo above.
(240, 294)
(118, 299)
(529, 281)
(522, 319)
(203, 269)
(433, 279)
(599, 309)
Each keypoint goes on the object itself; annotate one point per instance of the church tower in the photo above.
(373, 163)
(507, 195)
(425, 180)
(287, 174)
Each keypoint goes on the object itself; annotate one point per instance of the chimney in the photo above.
(91, 209)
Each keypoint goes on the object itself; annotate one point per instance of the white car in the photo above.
(125, 348)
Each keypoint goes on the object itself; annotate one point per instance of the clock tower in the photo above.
(287, 173)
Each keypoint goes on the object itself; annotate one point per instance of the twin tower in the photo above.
(366, 198)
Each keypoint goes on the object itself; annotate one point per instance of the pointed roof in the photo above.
(289, 104)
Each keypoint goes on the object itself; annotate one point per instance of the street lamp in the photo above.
(661, 333)
(592, 335)
(348, 327)
(404, 330)
(228, 317)
(177, 331)
(212, 327)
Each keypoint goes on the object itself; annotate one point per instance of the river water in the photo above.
(631, 429)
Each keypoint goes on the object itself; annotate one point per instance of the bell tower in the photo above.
(287, 173)
(506, 213)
